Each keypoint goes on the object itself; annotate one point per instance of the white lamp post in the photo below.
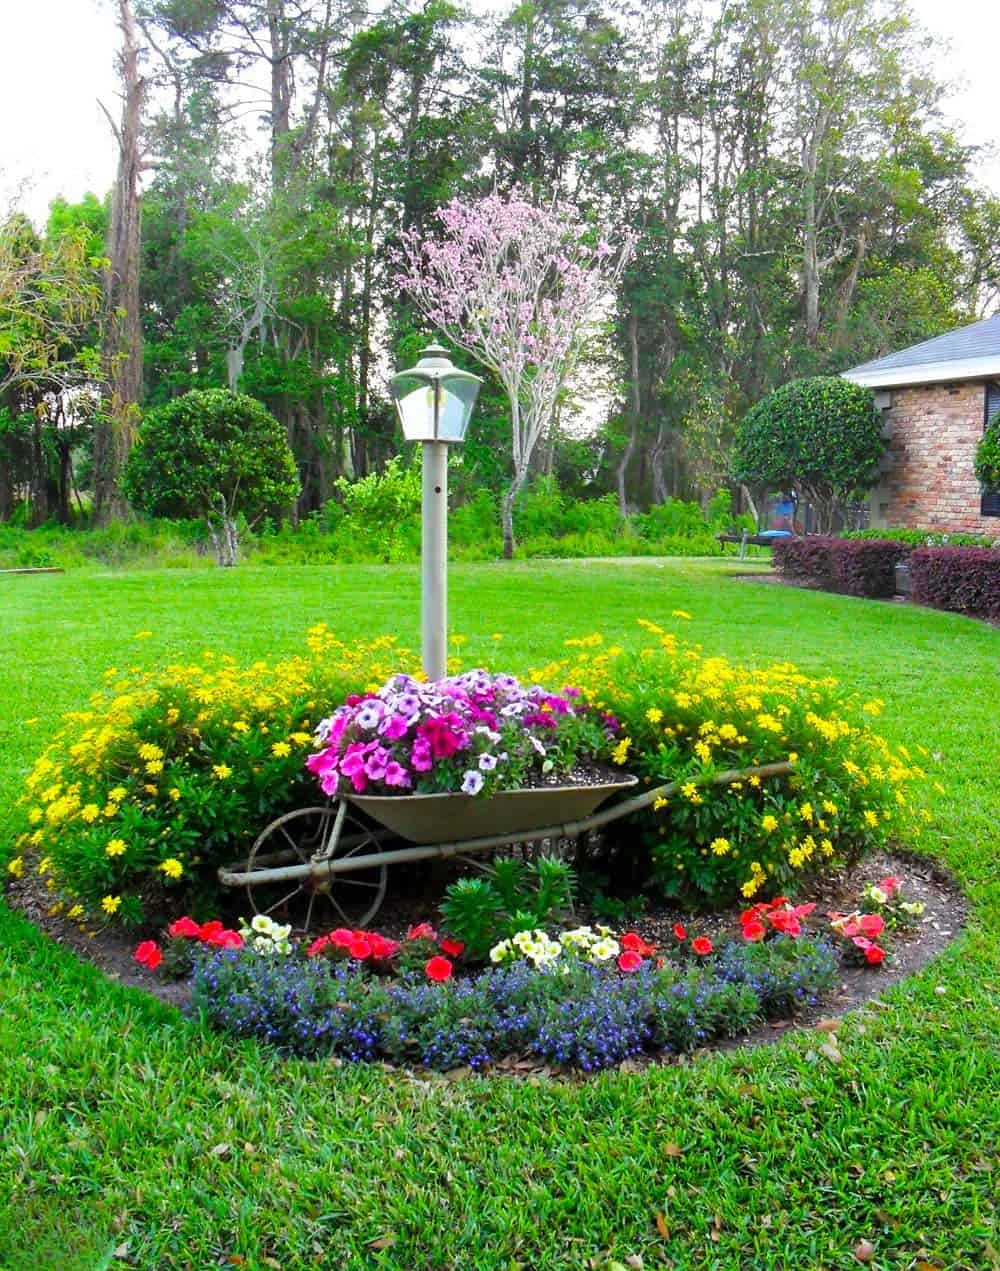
(434, 400)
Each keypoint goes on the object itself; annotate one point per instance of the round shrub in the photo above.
(988, 456)
(168, 774)
(216, 455)
(820, 437)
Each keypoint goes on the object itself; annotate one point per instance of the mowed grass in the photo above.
(128, 1137)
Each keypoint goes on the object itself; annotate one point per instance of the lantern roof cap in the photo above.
(435, 364)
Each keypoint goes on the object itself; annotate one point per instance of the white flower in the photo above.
(537, 745)
(501, 951)
(487, 763)
(262, 924)
(281, 932)
(604, 950)
(472, 782)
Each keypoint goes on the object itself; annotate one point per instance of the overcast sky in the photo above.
(57, 61)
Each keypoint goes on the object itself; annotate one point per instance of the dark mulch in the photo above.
(415, 892)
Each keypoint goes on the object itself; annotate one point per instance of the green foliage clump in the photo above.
(819, 436)
(924, 538)
(514, 895)
(988, 456)
(216, 455)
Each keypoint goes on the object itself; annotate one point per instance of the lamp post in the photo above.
(434, 400)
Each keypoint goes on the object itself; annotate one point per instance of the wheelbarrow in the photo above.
(331, 862)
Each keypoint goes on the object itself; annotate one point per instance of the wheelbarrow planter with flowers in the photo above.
(450, 768)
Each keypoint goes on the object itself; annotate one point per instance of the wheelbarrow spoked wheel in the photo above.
(316, 899)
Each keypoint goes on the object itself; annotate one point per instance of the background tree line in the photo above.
(800, 206)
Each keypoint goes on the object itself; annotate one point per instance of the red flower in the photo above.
(874, 954)
(754, 931)
(629, 961)
(318, 946)
(871, 924)
(453, 948)
(342, 938)
(862, 943)
(422, 931)
(225, 939)
(381, 947)
(849, 928)
(360, 947)
(702, 945)
(753, 913)
(891, 885)
(438, 968)
(209, 929)
(778, 901)
(680, 932)
(803, 911)
(148, 954)
(786, 921)
(186, 927)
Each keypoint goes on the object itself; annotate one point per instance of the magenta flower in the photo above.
(396, 774)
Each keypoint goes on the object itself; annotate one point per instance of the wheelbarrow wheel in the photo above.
(311, 838)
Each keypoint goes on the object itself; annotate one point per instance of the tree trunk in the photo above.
(626, 459)
(122, 344)
(511, 493)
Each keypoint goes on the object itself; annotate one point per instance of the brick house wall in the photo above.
(928, 477)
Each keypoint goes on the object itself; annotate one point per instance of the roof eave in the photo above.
(979, 368)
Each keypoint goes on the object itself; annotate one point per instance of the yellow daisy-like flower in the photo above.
(769, 823)
(111, 904)
(15, 867)
(174, 793)
(241, 726)
(871, 818)
(620, 752)
(90, 812)
(75, 913)
(115, 847)
(117, 794)
(154, 766)
(34, 816)
(149, 751)
(829, 807)
(703, 752)
(654, 714)
(806, 812)
(719, 846)
(301, 739)
(658, 804)
(221, 771)
(172, 867)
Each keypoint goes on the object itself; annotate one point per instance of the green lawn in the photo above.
(125, 1133)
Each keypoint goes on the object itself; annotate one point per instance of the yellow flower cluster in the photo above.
(139, 779)
(689, 715)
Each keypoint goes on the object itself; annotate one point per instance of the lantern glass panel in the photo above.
(415, 403)
(458, 396)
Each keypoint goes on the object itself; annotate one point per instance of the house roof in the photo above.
(970, 353)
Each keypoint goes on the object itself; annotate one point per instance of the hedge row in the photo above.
(855, 567)
(963, 579)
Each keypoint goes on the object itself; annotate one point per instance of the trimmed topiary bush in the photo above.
(214, 455)
(820, 437)
(854, 567)
(963, 579)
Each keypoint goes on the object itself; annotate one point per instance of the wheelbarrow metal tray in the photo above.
(444, 818)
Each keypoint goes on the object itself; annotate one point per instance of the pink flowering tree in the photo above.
(520, 288)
